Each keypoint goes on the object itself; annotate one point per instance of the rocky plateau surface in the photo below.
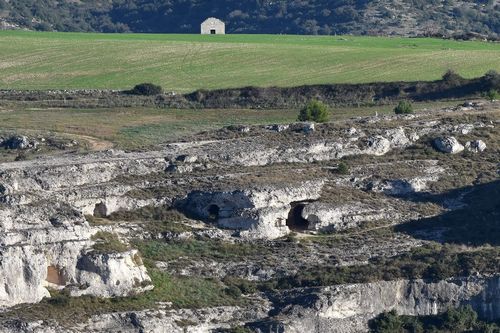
(281, 199)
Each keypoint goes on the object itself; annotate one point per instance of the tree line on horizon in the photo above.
(327, 17)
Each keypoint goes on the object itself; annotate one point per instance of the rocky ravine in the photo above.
(263, 184)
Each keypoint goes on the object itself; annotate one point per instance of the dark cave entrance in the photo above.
(100, 210)
(295, 221)
(213, 213)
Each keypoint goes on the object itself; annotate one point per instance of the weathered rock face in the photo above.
(257, 213)
(347, 308)
(45, 241)
(343, 308)
(38, 240)
(47, 245)
(448, 145)
(163, 320)
(328, 217)
(114, 274)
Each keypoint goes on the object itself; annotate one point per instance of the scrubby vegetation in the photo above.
(314, 111)
(463, 319)
(343, 168)
(434, 262)
(403, 107)
(183, 292)
(197, 249)
(107, 242)
(155, 220)
(492, 94)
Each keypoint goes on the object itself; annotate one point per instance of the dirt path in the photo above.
(93, 143)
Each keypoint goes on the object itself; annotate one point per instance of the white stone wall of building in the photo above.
(213, 26)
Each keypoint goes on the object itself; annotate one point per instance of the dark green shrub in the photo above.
(314, 111)
(387, 322)
(404, 107)
(492, 95)
(233, 291)
(343, 168)
(460, 319)
(146, 89)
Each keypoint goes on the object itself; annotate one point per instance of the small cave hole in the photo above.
(213, 213)
(100, 210)
(295, 221)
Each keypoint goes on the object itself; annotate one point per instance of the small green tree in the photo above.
(404, 107)
(314, 111)
(343, 168)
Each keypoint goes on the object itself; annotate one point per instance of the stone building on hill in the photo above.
(213, 26)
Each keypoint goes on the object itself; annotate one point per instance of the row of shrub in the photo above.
(430, 262)
(463, 319)
(451, 85)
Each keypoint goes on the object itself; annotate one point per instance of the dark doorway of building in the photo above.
(213, 32)
(295, 221)
(213, 213)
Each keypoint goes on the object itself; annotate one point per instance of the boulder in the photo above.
(378, 146)
(449, 145)
(278, 127)
(111, 275)
(476, 146)
(17, 142)
(397, 137)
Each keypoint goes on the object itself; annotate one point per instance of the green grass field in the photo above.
(139, 128)
(183, 63)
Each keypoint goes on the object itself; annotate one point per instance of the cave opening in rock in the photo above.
(100, 210)
(295, 221)
(213, 213)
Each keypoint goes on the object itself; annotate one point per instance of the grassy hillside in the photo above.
(35, 60)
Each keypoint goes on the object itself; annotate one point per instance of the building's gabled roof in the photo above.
(213, 19)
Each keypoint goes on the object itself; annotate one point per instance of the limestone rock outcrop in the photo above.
(328, 217)
(475, 146)
(448, 145)
(111, 274)
(347, 308)
(259, 212)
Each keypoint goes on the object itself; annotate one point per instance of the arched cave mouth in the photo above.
(295, 221)
(100, 210)
(213, 213)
